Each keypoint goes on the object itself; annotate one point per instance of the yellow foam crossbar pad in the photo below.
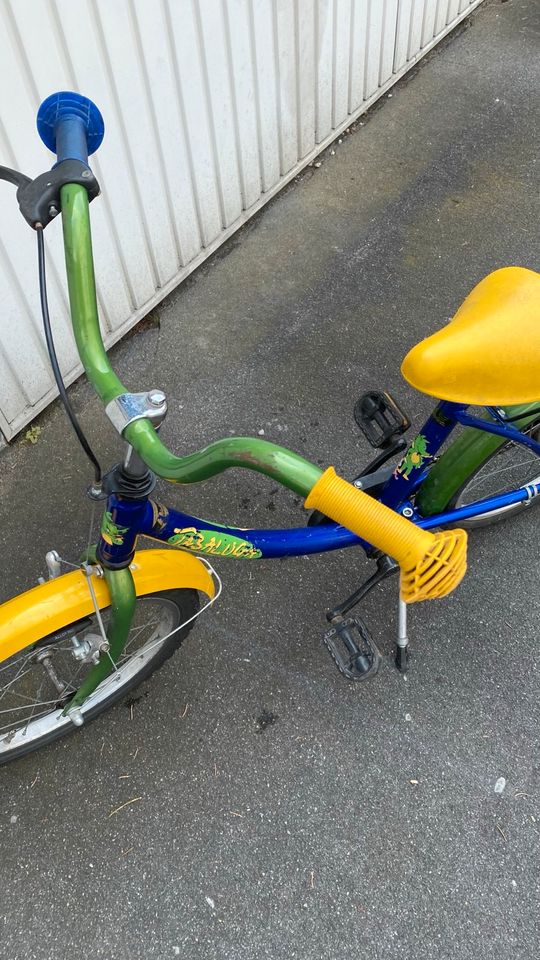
(431, 564)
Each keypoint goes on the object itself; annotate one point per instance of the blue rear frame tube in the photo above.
(500, 429)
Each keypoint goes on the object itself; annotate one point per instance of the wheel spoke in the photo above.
(33, 710)
(478, 481)
(136, 632)
(19, 676)
(13, 663)
(36, 703)
(510, 467)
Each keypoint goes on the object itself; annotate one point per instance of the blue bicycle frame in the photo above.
(125, 520)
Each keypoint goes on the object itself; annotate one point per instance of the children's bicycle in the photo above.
(78, 642)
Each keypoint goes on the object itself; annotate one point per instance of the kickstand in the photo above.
(402, 647)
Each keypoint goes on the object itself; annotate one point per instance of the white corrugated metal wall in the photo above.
(211, 106)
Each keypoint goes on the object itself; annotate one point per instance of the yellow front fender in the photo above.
(27, 618)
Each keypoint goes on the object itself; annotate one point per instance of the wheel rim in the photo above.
(31, 706)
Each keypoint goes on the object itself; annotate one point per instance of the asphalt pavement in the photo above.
(363, 821)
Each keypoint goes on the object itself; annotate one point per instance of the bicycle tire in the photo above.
(132, 668)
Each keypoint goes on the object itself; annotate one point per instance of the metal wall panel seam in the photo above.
(19, 294)
(119, 121)
(297, 63)
(388, 40)
(277, 86)
(155, 129)
(453, 11)
(256, 94)
(374, 49)
(342, 48)
(334, 60)
(243, 107)
(169, 33)
(13, 374)
(351, 52)
(381, 48)
(305, 76)
(428, 21)
(324, 82)
(415, 28)
(316, 62)
(440, 16)
(234, 101)
(366, 49)
(201, 49)
(266, 68)
(286, 84)
(358, 59)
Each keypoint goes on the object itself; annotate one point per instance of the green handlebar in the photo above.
(277, 462)
(82, 293)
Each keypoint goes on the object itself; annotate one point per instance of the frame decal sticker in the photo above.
(416, 455)
(213, 542)
(160, 514)
(111, 532)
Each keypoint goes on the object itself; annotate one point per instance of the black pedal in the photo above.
(380, 418)
(352, 649)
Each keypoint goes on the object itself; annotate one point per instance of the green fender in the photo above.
(463, 457)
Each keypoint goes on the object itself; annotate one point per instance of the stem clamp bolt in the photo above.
(128, 407)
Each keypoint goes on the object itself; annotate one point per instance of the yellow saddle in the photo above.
(489, 353)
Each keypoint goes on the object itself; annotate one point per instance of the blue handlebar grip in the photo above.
(70, 126)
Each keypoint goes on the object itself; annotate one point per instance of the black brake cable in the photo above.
(54, 359)
(521, 416)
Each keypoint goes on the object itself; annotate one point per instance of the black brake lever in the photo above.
(39, 199)
(14, 176)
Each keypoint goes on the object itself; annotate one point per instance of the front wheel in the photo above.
(37, 683)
